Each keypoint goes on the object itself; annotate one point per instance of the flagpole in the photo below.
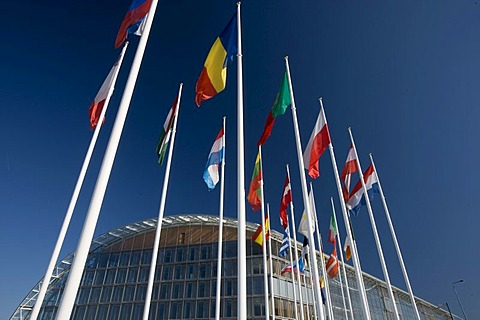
(343, 265)
(346, 219)
(322, 261)
(76, 192)
(271, 266)
(241, 246)
(158, 230)
(395, 241)
(81, 254)
(299, 282)
(293, 276)
(303, 179)
(307, 297)
(220, 229)
(264, 240)
(313, 291)
(374, 229)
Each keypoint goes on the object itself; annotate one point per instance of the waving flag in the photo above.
(133, 20)
(213, 77)
(347, 247)
(332, 264)
(357, 199)
(215, 158)
(349, 169)
(319, 141)
(305, 250)
(290, 268)
(303, 225)
(166, 131)
(258, 235)
(286, 200)
(332, 231)
(282, 101)
(255, 193)
(285, 243)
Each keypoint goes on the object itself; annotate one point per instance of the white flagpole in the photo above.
(241, 242)
(293, 277)
(313, 291)
(220, 229)
(374, 229)
(264, 242)
(158, 230)
(76, 270)
(346, 219)
(307, 296)
(76, 193)
(299, 282)
(306, 201)
(397, 246)
(271, 267)
(340, 247)
(322, 261)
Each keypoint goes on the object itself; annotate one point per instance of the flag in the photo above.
(303, 225)
(332, 231)
(108, 85)
(166, 132)
(357, 199)
(282, 101)
(349, 169)
(332, 266)
(210, 175)
(285, 243)
(322, 290)
(286, 200)
(305, 250)
(347, 247)
(258, 235)
(133, 20)
(213, 77)
(319, 141)
(289, 268)
(255, 193)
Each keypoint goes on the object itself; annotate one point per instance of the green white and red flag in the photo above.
(166, 132)
(255, 192)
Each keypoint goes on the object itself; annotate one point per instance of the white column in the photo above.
(71, 287)
(272, 295)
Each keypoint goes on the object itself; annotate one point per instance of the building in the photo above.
(116, 274)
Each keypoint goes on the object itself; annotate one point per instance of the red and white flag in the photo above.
(286, 200)
(349, 169)
(319, 141)
(332, 264)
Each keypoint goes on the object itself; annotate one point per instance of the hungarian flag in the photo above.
(286, 200)
(282, 101)
(332, 264)
(166, 132)
(133, 20)
(255, 193)
(319, 141)
(332, 231)
(258, 235)
(213, 77)
(349, 169)
(107, 87)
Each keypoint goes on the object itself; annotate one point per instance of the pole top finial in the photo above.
(239, 3)
(349, 128)
(286, 57)
(320, 99)
(370, 154)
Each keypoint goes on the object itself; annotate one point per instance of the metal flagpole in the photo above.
(299, 282)
(395, 241)
(343, 267)
(158, 230)
(241, 246)
(346, 219)
(271, 266)
(307, 297)
(76, 270)
(313, 291)
(220, 229)
(292, 274)
(374, 229)
(306, 201)
(322, 261)
(76, 192)
(264, 242)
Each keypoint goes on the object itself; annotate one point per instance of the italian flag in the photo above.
(332, 232)
(282, 101)
(166, 132)
(255, 192)
(319, 141)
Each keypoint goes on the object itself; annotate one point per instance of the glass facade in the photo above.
(115, 278)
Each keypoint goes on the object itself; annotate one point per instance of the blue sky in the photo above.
(404, 75)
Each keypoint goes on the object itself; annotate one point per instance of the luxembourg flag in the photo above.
(319, 141)
(357, 200)
(211, 175)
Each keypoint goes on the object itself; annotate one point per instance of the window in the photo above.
(113, 261)
(117, 293)
(202, 309)
(129, 293)
(99, 277)
(95, 295)
(135, 258)
(140, 295)
(179, 272)
(203, 288)
(110, 278)
(121, 274)
(191, 290)
(125, 312)
(204, 270)
(177, 292)
(132, 275)
(165, 289)
(106, 294)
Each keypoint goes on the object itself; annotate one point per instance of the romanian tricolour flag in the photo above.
(213, 78)
(357, 199)
(319, 141)
(349, 169)
(255, 193)
(282, 101)
(286, 200)
(133, 20)
(166, 132)
(107, 87)
(258, 235)
(215, 158)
